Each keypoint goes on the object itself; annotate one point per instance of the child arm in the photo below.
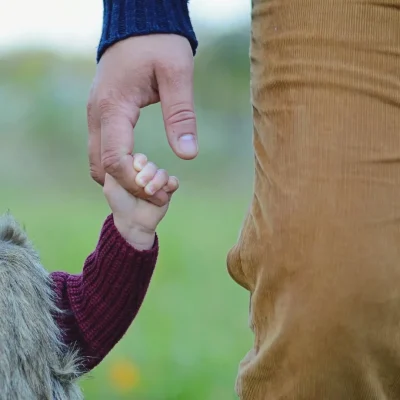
(100, 304)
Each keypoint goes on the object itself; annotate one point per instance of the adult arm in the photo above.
(99, 305)
(145, 56)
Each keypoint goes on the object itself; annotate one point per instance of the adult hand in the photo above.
(133, 74)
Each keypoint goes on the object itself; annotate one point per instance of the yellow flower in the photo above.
(124, 375)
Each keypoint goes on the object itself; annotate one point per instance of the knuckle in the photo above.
(152, 166)
(89, 108)
(95, 174)
(90, 116)
(111, 163)
(163, 173)
(176, 68)
(140, 158)
(180, 113)
(107, 107)
(177, 74)
(105, 104)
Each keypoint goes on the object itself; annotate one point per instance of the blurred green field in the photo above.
(192, 331)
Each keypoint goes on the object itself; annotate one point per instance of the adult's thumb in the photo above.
(175, 87)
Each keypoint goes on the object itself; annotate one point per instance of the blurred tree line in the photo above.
(43, 115)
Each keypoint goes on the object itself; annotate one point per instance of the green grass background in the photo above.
(192, 330)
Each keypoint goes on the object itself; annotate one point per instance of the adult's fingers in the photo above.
(94, 145)
(175, 85)
(117, 143)
(117, 147)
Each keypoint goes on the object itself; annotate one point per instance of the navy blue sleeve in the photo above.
(126, 18)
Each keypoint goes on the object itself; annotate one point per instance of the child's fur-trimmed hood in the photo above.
(34, 363)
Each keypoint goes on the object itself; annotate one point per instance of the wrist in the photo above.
(139, 237)
(124, 19)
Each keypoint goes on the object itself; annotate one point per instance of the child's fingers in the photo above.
(139, 161)
(152, 179)
(158, 182)
(172, 185)
(146, 174)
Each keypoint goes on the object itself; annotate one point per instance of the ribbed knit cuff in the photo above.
(116, 264)
(112, 245)
(126, 18)
(106, 297)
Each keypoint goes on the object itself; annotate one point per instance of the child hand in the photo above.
(137, 219)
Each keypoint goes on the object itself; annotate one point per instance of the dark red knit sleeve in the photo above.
(100, 303)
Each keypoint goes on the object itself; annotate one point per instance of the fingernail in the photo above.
(188, 144)
(141, 181)
(149, 189)
(139, 165)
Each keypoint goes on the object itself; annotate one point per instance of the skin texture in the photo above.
(35, 363)
(132, 74)
(137, 219)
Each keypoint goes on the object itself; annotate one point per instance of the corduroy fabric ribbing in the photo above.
(320, 248)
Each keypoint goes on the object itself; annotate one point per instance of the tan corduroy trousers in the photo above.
(320, 248)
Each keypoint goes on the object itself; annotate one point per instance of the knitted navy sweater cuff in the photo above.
(126, 18)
